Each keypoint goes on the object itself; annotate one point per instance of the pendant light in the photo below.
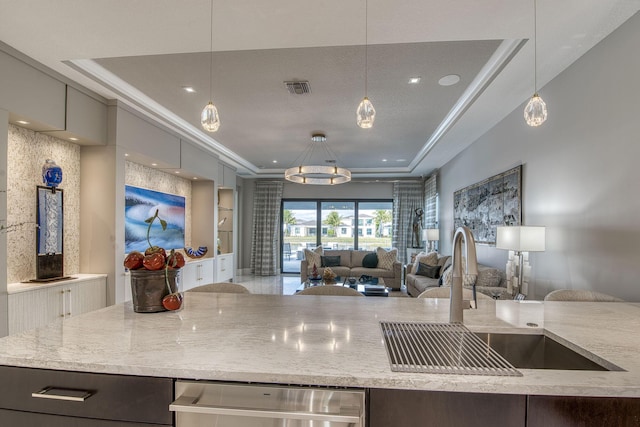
(535, 113)
(209, 118)
(365, 114)
(316, 174)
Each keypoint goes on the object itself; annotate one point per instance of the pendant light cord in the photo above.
(535, 46)
(366, 45)
(211, 54)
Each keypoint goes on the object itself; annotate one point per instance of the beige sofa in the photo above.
(351, 266)
(490, 281)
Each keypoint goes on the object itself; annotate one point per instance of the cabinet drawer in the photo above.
(32, 419)
(112, 397)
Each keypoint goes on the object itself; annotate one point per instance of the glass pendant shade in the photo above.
(210, 118)
(365, 114)
(535, 113)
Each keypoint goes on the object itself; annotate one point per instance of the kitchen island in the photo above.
(327, 341)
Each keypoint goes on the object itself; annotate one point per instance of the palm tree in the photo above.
(288, 219)
(333, 220)
(381, 217)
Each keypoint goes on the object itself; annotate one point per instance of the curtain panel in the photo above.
(408, 198)
(431, 202)
(266, 219)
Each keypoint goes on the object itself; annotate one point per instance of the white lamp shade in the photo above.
(432, 234)
(521, 238)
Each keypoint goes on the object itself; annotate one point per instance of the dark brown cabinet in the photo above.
(411, 408)
(112, 400)
(566, 411)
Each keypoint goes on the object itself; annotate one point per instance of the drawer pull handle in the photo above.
(62, 394)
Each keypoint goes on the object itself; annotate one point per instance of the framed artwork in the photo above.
(49, 235)
(140, 204)
(487, 204)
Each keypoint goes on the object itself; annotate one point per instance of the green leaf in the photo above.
(149, 220)
(164, 224)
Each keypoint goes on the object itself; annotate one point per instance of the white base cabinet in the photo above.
(34, 305)
(224, 268)
(197, 273)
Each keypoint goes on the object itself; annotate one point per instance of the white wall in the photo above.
(580, 173)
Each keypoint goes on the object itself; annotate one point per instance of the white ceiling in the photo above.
(143, 52)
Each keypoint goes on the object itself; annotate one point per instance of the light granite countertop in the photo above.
(322, 340)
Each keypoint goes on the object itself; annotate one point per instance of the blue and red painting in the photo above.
(141, 204)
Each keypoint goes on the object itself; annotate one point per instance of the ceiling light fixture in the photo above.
(317, 174)
(414, 80)
(535, 113)
(23, 122)
(210, 118)
(188, 89)
(366, 114)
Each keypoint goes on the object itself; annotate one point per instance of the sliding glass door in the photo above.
(334, 224)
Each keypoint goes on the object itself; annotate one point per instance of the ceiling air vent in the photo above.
(298, 87)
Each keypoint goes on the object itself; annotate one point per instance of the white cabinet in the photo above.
(197, 273)
(34, 305)
(224, 268)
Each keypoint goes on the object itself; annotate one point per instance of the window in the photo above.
(343, 224)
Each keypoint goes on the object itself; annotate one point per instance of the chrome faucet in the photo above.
(471, 267)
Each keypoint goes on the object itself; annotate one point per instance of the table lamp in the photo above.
(431, 235)
(519, 241)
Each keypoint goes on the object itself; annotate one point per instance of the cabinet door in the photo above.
(206, 272)
(404, 408)
(224, 268)
(197, 273)
(31, 309)
(567, 411)
(34, 419)
(86, 296)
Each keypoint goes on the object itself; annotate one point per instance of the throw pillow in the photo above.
(330, 261)
(430, 258)
(432, 271)
(386, 258)
(370, 260)
(467, 279)
(313, 256)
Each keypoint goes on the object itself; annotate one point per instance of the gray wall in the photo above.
(351, 190)
(580, 173)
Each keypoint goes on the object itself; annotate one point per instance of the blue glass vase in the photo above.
(51, 173)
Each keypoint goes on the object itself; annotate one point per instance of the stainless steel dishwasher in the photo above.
(202, 403)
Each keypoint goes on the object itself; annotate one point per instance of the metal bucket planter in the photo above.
(149, 287)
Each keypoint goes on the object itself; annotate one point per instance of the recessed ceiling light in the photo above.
(384, 160)
(188, 89)
(177, 171)
(154, 164)
(449, 80)
(23, 122)
(73, 139)
(414, 80)
(126, 154)
(401, 160)
(195, 177)
(274, 161)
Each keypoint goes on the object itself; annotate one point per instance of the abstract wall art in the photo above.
(140, 204)
(487, 204)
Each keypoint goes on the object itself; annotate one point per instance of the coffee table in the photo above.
(369, 289)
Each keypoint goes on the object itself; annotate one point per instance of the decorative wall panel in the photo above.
(27, 151)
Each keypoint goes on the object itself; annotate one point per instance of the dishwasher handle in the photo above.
(189, 404)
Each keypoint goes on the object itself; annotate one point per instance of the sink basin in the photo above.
(537, 351)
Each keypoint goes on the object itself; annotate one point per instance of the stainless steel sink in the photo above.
(441, 348)
(542, 352)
